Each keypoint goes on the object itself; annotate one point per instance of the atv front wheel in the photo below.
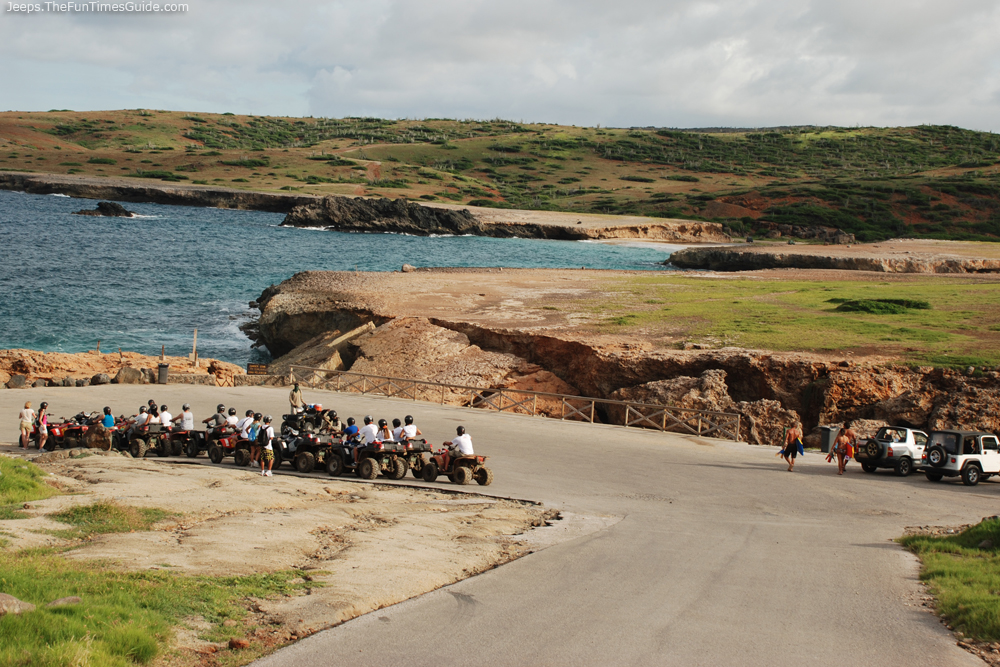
(215, 454)
(137, 448)
(430, 472)
(162, 447)
(369, 468)
(484, 476)
(334, 465)
(192, 449)
(305, 462)
(241, 458)
(176, 447)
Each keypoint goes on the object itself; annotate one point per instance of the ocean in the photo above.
(139, 283)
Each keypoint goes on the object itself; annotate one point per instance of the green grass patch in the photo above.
(963, 577)
(21, 482)
(125, 618)
(101, 160)
(106, 517)
(881, 306)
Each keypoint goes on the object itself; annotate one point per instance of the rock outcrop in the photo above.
(108, 209)
(737, 259)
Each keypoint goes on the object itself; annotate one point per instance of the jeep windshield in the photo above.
(947, 440)
(887, 434)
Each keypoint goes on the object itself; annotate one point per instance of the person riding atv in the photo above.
(458, 462)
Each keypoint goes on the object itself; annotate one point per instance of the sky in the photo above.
(576, 62)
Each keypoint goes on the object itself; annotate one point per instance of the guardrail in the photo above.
(628, 414)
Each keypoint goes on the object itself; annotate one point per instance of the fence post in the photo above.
(442, 394)
(534, 405)
(592, 404)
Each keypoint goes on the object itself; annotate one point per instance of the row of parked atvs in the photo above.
(302, 443)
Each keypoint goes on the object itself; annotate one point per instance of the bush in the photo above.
(683, 177)
(101, 160)
(882, 306)
(637, 179)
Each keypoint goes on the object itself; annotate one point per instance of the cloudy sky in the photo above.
(582, 62)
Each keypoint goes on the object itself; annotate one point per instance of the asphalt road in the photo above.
(711, 553)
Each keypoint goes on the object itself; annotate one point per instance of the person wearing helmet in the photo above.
(397, 430)
(244, 424)
(351, 429)
(369, 432)
(216, 422)
(154, 412)
(264, 438)
(383, 430)
(166, 419)
(231, 419)
(252, 432)
(331, 423)
(185, 419)
(107, 421)
(461, 444)
(410, 431)
(137, 422)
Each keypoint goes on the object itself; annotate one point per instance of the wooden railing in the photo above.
(522, 401)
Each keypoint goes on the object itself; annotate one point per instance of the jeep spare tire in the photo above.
(937, 457)
(871, 449)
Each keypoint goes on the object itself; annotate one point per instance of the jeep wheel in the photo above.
(904, 466)
(484, 476)
(933, 476)
(369, 468)
(462, 475)
(869, 467)
(137, 448)
(871, 449)
(429, 472)
(970, 474)
(241, 458)
(215, 454)
(192, 448)
(305, 462)
(334, 465)
(399, 468)
(937, 457)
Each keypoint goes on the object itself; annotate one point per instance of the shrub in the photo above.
(637, 179)
(101, 160)
(882, 306)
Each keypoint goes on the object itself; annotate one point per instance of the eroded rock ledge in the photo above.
(737, 259)
(770, 390)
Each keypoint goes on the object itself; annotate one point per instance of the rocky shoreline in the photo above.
(865, 259)
(307, 317)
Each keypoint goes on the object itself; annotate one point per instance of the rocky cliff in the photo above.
(771, 391)
(738, 259)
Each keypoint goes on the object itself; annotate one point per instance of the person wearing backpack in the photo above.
(252, 431)
(264, 437)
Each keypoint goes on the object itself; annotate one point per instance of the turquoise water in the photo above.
(139, 283)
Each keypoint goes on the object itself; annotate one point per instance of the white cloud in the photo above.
(640, 62)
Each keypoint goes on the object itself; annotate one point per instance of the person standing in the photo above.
(295, 400)
(793, 439)
(27, 417)
(43, 424)
(844, 449)
(264, 439)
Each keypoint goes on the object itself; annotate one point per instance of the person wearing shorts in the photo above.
(791, 450)
(267, 449)
(27, 418)
(43, 424)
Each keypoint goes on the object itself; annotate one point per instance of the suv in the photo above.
(972, 454)
(893, 447)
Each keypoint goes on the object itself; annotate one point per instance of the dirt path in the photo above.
(369, 545)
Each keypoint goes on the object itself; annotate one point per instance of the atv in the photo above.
(303, 451)
(309, 421)
(387, 458)
(190, 443)
(230, 444)
(459, 469)
(69, 432)
(150, 437)
(415, 451)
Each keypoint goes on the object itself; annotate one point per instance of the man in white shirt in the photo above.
(137, 423)
(185, 419)
(267, 453)
(166, 419)
(366, 435)
(461, 444)
(243, 425)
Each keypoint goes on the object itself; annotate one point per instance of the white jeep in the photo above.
(893, 447)
(973, 455)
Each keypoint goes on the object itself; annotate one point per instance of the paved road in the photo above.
(713, 553)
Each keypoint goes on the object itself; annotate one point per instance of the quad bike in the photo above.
(230, 444)
(459, 469)
(151, 437)
(190, 443)
(387, 458)
(309, 421)
(69, 432)
(415, 451)
(305, 451)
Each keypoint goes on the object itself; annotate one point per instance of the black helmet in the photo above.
(395, 423)
(460, 430)
(408, 419)
(249, 413)
(186, 406)
(257, 415)
(333, 414)
(43, 406)
(150, 402)
(143, 409)
(382, 423)
(220, 407)
(369, 419)
(267, 419)
(350, 421)
(107, 410)
(163, 408)
(232, 411)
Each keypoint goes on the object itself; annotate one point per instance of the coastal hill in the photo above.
(936, 182)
